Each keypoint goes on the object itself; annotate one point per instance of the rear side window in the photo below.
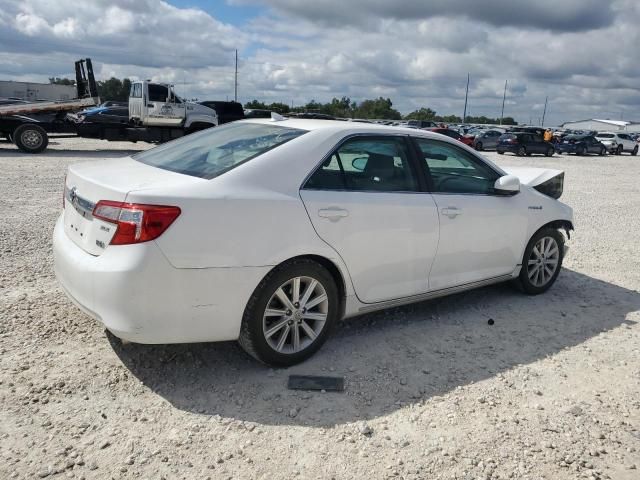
(214, 151)
(373, 164)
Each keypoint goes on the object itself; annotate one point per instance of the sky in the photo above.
(584, 55)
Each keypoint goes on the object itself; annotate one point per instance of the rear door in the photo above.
(481, 234)
(365, 201)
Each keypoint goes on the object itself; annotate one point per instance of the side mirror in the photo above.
(507, 185)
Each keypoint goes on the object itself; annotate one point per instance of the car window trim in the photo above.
(427, 171)
(411, 160)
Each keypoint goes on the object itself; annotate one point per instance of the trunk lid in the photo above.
(88, 183)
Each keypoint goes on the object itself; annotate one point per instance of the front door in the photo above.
(163, 109)
(364, 201)
(481, 234)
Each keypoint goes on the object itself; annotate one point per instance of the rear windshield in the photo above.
(606, 135)
(214, 151)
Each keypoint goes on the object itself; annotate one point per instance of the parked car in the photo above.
(421, 123)
(487, 139)
(618, 142)
(91, 122)
(257, 113)
(270, 231)
(452, 134)
(227, 111)
(523, 143)
(581, 145)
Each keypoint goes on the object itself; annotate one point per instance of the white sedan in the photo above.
(269, 231)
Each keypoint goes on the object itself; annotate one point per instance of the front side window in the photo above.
(453, 170)
(366, 164)
(158, 93)
(212, 152)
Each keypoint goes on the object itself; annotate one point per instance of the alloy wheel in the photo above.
(295, 315)
(543, 261)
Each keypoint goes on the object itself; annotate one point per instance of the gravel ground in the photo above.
(550, 390)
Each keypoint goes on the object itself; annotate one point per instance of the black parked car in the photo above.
(581, 145)
(227, 111)
(524, 143)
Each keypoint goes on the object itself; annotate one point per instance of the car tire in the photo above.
(31, 138)
(521, 152)
(619, 150)
(541, 262)
(602, 151)
(580, 151)
(550, 152)
(500, 152)
(479, 146)
(268, 314)
(634, 152)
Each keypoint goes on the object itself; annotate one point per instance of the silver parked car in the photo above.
(487, 139)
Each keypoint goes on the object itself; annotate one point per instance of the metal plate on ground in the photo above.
(312, 382)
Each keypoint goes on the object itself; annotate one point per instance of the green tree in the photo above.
(279, 107)
(421, 114)
(255, 104)
(379, 108)
(114, 89)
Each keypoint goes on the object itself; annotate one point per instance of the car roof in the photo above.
(310, 124)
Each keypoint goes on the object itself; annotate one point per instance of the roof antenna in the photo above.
(276, 117)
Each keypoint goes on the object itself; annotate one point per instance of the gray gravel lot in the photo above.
(551, 390)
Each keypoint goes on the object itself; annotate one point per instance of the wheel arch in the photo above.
(334, 270)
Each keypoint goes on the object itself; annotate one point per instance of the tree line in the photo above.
(379, 108)
(112, 89)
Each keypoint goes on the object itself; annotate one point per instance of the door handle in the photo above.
(333, 213)
(451, 212)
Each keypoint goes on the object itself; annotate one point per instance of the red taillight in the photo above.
(135, 223)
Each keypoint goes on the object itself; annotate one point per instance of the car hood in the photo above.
(532, 176)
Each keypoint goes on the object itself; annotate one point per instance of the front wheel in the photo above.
(541, 262)
(479, 146)
(31, 138)
(602, 151)
(521, 152)
(634, 152)
(549, 152)
(290, 314)
(619, 150)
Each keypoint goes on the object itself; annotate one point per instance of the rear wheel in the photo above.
(602, 151)
(31, 138)
(580, 151)
(619, 150)
(635, 150)
(479, 146)
(290, 314)
(549, 152)
(521, 152)
(500, 152)
(541, 262)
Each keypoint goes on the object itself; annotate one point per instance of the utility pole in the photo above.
(544, 112)
(466, 96)
(235, 94)
(504, 95)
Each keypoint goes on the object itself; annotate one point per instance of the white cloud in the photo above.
(582, 54)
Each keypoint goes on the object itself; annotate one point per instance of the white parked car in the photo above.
(270, 231)
(618, 142)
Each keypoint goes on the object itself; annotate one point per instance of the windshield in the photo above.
(214, 151)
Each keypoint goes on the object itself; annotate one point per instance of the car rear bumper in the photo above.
(140, 297)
